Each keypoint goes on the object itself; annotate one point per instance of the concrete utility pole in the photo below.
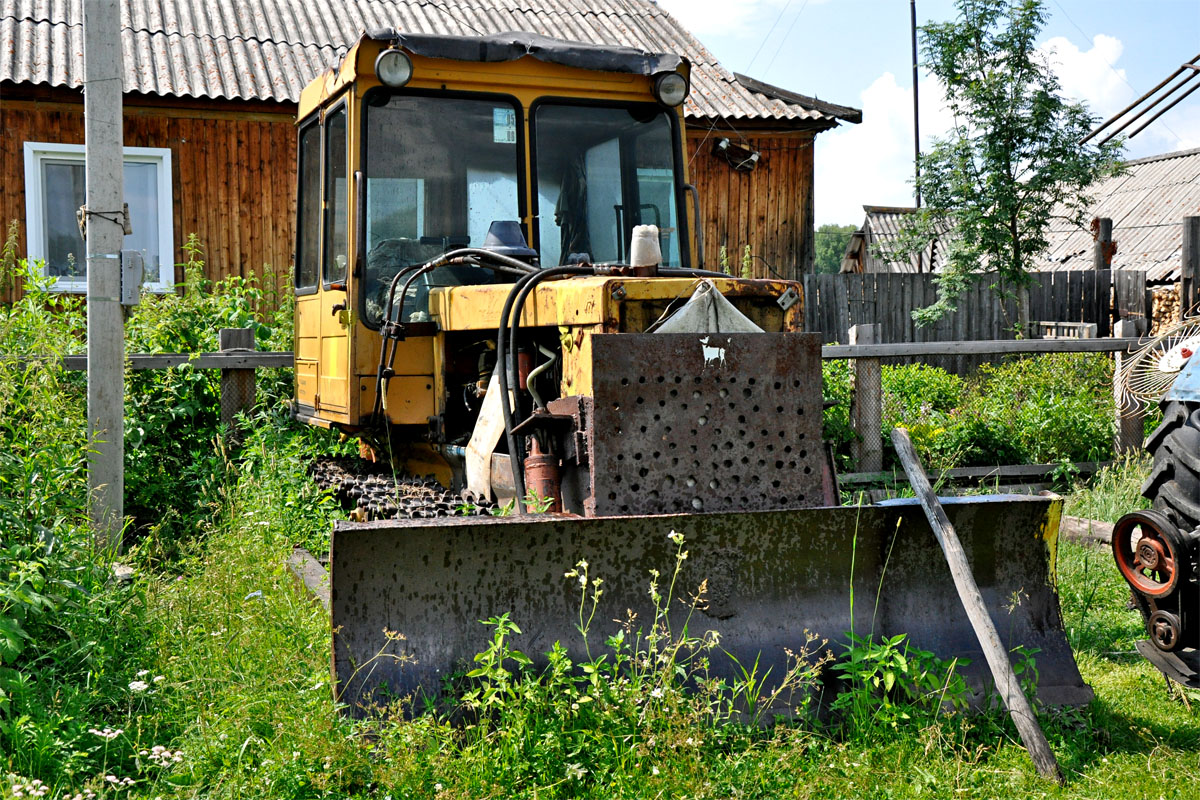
(104, 138)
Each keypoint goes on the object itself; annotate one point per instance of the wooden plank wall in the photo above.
(769, 208)
(833, 303)
(233, 175)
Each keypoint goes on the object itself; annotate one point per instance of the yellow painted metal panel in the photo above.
(414, 356)
(308, 321)
(308, 348)
(306, 382)
(580, 301)
(409, 398)
(333, 382)
(577, 359)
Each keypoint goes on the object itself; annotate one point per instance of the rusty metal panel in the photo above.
(688, 422)
(771, 576)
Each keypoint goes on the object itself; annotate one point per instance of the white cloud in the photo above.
(1090, 76)
(730, 17)
(872, 163)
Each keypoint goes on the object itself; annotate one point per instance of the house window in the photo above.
(54, 191)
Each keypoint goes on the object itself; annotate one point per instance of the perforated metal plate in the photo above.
(690, 423)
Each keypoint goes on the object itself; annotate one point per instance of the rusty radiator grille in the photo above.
(703, 423)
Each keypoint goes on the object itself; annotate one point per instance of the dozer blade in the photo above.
(771, 575)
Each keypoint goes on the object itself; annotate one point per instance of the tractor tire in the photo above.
(1174, 483)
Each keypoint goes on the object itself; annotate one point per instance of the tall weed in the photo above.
(172, 444)
(68, 633)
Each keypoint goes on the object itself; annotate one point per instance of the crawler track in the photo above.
(371, 491)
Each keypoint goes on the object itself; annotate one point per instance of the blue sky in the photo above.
(857, 52)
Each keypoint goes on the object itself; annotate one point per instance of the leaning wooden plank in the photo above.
(310, 574)
(968, 591)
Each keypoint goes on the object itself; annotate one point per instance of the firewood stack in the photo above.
(1166, 308)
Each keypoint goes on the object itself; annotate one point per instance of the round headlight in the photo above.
(393, 68)
(670, 88)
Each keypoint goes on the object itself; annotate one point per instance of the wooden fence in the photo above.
(866, 415)
(238, 368)
(835, 303)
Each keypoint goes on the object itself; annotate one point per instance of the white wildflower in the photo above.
(677, 538)
(576, 771)
(35, 788)
(141, 673)
(437, 787)
(656, 692)
(138, 686)
(107, 733)
(654, 770)
(159, 678)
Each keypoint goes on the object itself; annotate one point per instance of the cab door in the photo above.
(309, 212)
(333, 367)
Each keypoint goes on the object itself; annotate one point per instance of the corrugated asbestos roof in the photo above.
(1147, 205)
(270, 49)
(880, 229)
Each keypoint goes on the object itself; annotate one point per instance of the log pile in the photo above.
(1166, 308)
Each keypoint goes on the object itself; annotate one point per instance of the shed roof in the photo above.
(880, 231)
(270, 49)
(1147, 204)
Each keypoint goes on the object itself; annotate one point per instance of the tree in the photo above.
(831, 246)
(1012, 159)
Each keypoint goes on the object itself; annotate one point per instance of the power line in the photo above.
(786, 35)
(1113, 69)
(767, 35)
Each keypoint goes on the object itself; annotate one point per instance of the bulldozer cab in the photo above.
(415, 145)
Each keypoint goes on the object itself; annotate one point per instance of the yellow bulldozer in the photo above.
(500, 290)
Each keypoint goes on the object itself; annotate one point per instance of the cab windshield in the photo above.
(601, 171)
(439, 171)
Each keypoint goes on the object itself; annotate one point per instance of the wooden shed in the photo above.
(210, 102)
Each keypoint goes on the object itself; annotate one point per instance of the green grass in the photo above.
(245, 698)
(1113, 492)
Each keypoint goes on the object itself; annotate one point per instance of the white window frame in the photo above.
(35, 225)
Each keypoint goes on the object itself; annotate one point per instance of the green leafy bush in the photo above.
(837, 392)
(77, 679)
(68, 633)
(888, 684)
(1035, 410)
(172, 453)
(913, 391)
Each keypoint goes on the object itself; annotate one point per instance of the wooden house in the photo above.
(210, 102)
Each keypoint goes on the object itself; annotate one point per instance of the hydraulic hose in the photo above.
(503, 264)
(538, 370)
(516, 297)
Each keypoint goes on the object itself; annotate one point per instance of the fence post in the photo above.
(1129, 431)
(867, 408)
(1189, 266)
(1102, 248)
(237, 385)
